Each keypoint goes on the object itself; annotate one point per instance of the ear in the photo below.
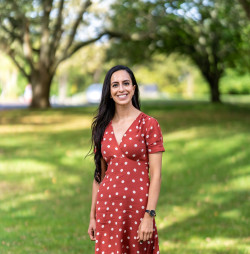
(134, 88)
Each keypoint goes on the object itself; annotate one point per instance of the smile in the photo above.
(122, 95)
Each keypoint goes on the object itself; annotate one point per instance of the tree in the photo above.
(209, 32)
(40, 34)
(246, 6)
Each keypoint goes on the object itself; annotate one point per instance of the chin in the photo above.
(123, 102)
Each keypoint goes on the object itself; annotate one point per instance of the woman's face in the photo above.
(121, 87)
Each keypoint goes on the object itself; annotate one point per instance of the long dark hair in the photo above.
(105, 113)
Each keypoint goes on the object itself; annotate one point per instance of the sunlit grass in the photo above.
(45, 179)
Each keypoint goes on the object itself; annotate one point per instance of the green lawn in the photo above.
(45, 179)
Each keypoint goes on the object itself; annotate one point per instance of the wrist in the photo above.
(151, 213)
(92, 216)
(147, 216)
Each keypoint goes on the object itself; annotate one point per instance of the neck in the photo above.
(124, 111)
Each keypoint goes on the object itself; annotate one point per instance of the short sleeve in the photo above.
(153, 136)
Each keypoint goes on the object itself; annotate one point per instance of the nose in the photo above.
(121, 88)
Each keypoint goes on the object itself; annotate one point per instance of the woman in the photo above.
(128, 145)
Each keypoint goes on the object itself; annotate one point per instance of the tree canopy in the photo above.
(211, 33)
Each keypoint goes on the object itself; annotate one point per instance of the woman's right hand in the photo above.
(92, 229)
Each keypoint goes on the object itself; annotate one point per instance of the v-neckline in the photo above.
(125, 131)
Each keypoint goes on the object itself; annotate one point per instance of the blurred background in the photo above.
(191, 61)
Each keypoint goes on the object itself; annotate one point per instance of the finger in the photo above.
(140, 238)
(90, 234)
(138, 233)
(150, 235)
(144, 236)
(94, 234)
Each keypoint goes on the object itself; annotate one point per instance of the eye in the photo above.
(126, 83)
(114, 85)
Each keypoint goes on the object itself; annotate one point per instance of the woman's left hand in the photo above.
(145, 231)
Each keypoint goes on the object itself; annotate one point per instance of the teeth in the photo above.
(122, 96)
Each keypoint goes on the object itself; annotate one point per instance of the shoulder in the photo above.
(148, 120)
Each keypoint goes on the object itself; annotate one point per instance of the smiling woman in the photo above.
(128, 146)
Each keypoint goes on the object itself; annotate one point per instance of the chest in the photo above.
(132, 143)
(119, 130)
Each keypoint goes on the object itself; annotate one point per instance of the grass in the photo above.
(45, 181)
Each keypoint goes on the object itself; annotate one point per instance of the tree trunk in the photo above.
(213, 81)
(41, 82)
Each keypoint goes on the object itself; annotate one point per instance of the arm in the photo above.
(95, 188)
(146, 227)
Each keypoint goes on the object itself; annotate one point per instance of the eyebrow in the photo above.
(126, 80)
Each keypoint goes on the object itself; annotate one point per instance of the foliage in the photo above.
(235, 83)
(209, 32)
(45, 196)
(170, 73)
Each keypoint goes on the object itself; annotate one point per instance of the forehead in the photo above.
(120, 76)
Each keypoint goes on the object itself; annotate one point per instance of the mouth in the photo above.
(122, 96)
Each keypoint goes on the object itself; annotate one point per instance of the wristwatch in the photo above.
(151, 213)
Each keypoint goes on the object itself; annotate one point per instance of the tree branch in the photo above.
(58, 29)
(12, 56)
(27, 48)
(45, 46)
(246, 6)
(76, 24)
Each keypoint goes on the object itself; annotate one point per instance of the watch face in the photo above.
(152, 213)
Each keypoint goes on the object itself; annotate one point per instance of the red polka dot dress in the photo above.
(123, 194)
